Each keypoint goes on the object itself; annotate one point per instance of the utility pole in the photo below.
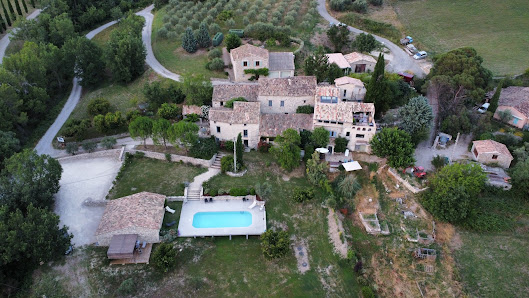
(235, 155)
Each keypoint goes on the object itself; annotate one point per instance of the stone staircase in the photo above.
(193, 194)
(216, 163)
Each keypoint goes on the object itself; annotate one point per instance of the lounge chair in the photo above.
(205, 200)
(168, 209)
(211, 199)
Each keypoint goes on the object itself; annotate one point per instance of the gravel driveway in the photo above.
(84, 176)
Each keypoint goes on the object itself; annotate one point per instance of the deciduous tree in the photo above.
(339, 36)
(320, 137)
(395, 145)
(197, 89)
(160, 131)
(286, 150)
(185, 132)
(365, 43)
(316, 172)
(232, 41)
(141, 127)
(9, 144)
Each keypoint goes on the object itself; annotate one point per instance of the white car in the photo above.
(420, 55)
(484, 107)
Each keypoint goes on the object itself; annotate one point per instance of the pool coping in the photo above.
(189, 208)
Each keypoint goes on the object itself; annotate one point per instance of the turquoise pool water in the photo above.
(225, 219)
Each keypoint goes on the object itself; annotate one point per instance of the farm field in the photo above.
(299, 16)
(496, 29)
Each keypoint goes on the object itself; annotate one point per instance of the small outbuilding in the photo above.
(489, 151)
(139, 214)
(122, 246)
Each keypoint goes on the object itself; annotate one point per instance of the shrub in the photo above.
(301, 195)
(204, 148)
(365, 43)
(238, 191)
(217, 64)
(72, 148)
(127, 287)
(340, 144)
(226, 163)
(275, 244)
(252, 191)
(213, 192)
(192, 118)
(108, 142)
(438, 162)
(169, 111)
(337, 5)
(225, 15)
(89, 146)
(164, 257)
(228, 145)
(168, 156)
(229, 103)
(132, 114)
(162, 32)
(98, 106)
(215, 53)
(376, 2)
(76, 128)
(359, 6)
(367, 292)
(263, 146)
(232, 41)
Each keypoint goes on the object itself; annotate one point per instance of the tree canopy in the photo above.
(320, 137)
(378, 90)
(141, 127)
(184, 132)
(339, 36)
(197, 89)
(416, 118)
(395, 145)
(286, 150)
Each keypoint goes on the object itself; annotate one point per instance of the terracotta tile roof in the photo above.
(248, 50)
(242, 113)
(226, 92)
(490, 146)
(355, 57)
(339, 59)
(293, 86)
(272, 125)
(516, 97)
(281, 61)
(144, 210)
(348, 80)
(341, 111)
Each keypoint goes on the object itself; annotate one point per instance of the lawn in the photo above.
(169, 50)
(496, 29)
(152, 175)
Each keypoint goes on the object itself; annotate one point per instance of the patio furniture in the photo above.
(253, 204)
(205, 200)
(144, 244)
(137, 245)
(169, 224)
(211, 199)
(168, 209)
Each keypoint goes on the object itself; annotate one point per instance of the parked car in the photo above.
(412, 49)
(484, 107)
(420, 55)
(406, 40)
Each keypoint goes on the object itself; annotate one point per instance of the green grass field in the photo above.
(152, 175)
(496, 29)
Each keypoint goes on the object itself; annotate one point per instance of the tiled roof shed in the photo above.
(490, 146)
(248, 50)
(348, 80)
(293, 86)
(281, 61)
(272, 125)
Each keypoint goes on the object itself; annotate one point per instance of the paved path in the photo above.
(4, 42)
(200, 179)
(401, 60)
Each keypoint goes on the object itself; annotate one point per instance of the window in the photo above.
(515, 120)
(494, 156)
(332, 134)
(245, 133)
(345, 93)
(347, 134)
(245, 63)
(221, 103)
(282, 103)
(244, 124)
(246, 143)
(269, 103)
(360, 136)
(364, 129)
(325, 121)
(329, 99)
(257, 63)
(218, 129)
(475, 152)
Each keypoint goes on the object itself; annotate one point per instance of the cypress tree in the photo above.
(25, 5)
(378, 91)
(240, 149)
(6, 15)
(17, 6)
(189, 42)
(11, 10)
(33, 3)
(3, 25)
(203, 38)
(495, 98)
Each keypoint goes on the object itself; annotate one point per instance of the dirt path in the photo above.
(335, 230)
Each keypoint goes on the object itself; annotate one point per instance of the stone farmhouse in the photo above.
(516, 100)
(353, 62)
(279, 64)
(272, 105)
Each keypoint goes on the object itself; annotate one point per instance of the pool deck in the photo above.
(186, 229)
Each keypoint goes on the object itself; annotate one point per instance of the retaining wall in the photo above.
(405, 183)
(176, 158)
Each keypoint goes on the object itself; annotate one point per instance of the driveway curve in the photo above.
(4, 42)
(401, 60)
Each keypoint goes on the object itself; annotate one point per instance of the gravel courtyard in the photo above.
(84, 176)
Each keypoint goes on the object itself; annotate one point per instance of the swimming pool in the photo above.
(225, 219)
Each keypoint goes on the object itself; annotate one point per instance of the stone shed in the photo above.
(489, 152)
(140, 214)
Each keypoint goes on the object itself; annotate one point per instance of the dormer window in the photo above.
(245, 63)
(329, 99)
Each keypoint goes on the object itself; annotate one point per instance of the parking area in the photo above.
(425, 153)
(86, 176)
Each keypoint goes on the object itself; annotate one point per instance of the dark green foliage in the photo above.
(340, 144)
(108, 142)
(339, 36)
(301, 195)
(416, 118)
(520, 178)
(25, 6)
(205, 148)
(216, 64)
(232, 41)
(141, 127)
(229, 103)
(264, 31)
(453, 191)
(228, 145)
(309, 149)
(256, 73)
(238, 191)
(215, 53)
(334, 72)
(286, 150)
(160, 3)
(127, 287)
(29, 178)
(9, 144)
(6, 15)
(378, 28)
(438, 162)
(320, 137)
(239, 149)
(125, 51)
(158, 93)
(359, 6)
(217, 39)
(317, 65)
(457, 123)
(338, 5)
(169, 111)
(395, 145)
(192, 118)
(11, 10)
(376, 2)
(160, 131)
(306, 109)
(275, 244)
(203, 38)
(32, 3)
(495, 98)
(367, 292)
(365, 43)
(306, 138)
(98, 106)
(317, 172)
(226, 164)
(197, 89)
(189, 42)
(72, 148)
(89, 64)
(164, 257)
(89, 146)
(377, 90)
(213, 192)
(17, 6)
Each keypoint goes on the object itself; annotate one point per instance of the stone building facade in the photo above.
(226, 124)
(279, 64)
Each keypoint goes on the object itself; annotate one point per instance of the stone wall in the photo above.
(405, 183)
(238, 68)
(104, 153)
(144, 234)
(176, 158)
(229, 132)
(291, 103)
